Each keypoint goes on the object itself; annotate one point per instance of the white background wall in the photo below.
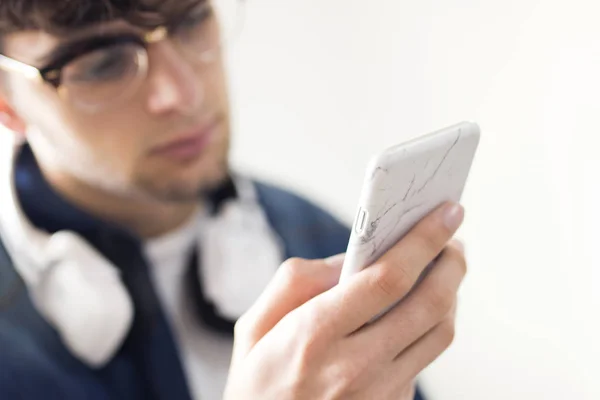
(321, 85)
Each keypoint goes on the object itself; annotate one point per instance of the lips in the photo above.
(188, 145)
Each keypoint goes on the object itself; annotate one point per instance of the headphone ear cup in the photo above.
(240, 254)
(81, 294)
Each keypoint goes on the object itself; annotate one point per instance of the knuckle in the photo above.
(310, 340)
(292, 269)
(392, 281)
(458, 259)
(348, 379)
(440, 300)
(430, 241)
(242, 326)
(447, 332)
(308, 352)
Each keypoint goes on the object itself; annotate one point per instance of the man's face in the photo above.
(168, 140)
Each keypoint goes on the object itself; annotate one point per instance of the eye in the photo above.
(103, 65)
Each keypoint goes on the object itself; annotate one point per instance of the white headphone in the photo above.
(80, 293)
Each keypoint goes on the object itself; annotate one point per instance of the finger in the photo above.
(296, 282)
(378, 287)
(412, 361)
(403, 371)
(423, 309)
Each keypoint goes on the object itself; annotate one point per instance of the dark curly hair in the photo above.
(59, 17)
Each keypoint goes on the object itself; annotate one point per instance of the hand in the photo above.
(308, 339)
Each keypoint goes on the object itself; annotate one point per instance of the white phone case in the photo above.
(404, 184)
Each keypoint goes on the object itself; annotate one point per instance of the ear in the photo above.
(10, 119)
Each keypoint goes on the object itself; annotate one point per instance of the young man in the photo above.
(129, 249)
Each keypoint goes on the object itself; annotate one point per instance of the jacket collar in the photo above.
(55, 249)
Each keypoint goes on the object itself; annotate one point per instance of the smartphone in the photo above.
(405, 183)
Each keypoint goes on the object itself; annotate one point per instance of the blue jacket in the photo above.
(34, 363)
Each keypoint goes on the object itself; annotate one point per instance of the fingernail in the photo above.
(453, 216)
(336, 261)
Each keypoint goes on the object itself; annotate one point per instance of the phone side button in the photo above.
(361, 221)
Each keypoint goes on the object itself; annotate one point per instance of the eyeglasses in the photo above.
(108, 70)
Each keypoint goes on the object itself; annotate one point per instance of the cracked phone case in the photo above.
(404, 184)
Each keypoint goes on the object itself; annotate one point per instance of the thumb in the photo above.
(296, 282)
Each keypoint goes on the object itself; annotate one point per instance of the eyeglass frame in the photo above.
(52, 74)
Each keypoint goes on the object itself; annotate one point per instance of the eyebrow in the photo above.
(90, 39)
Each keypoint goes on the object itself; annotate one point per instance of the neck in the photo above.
(147, 218)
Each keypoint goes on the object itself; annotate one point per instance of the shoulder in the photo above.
(22, 364)
(26, 363)
(33, 362)
(307, 229)
(8, 373)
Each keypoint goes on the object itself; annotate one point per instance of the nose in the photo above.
(174, 86)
